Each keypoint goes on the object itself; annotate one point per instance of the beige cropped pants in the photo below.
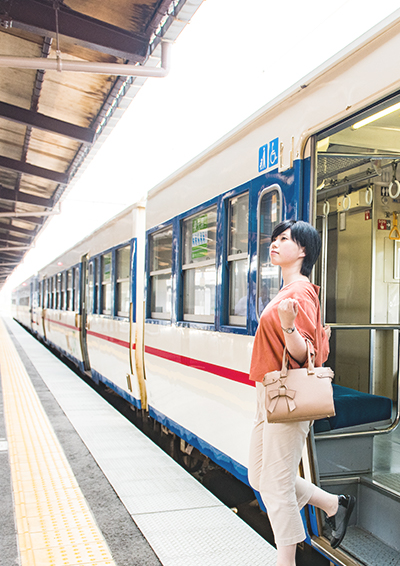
(275, 454)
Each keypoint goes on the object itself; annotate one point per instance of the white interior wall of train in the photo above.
(197, 346)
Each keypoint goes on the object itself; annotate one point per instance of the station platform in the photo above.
(80, 485)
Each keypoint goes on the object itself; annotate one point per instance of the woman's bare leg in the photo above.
(324, 500)
(286, 555)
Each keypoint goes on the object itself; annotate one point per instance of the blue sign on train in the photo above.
(268, 155)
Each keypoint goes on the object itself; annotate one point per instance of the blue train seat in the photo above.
(354, 408)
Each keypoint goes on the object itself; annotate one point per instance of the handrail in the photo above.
(394, 424)
(324, 259)
(356, 326)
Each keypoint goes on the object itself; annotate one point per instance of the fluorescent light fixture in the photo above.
(376, 116)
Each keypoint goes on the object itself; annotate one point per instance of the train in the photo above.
(162, 302)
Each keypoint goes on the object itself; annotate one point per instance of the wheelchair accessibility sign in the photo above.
(268, 155)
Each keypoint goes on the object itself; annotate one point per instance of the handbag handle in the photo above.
(285, 360)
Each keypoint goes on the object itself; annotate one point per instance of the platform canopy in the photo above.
(52, 121)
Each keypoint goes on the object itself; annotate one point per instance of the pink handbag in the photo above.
(303, 394)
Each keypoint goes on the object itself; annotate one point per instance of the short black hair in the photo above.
(306, 236)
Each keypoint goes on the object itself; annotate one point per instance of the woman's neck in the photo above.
(289, 276)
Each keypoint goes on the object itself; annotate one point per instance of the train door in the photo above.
(83, 312)
(32, 305)
(357, 205)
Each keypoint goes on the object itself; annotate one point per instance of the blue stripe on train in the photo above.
(233, 467)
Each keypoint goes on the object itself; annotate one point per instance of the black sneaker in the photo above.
(339, 522)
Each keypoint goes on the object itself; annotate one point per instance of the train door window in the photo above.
(268, 275)
(122, 290)
(76, 289)
(106, 261)
(90, 288)
(161, 273)
(199, 269)
(69, 296)
(238, 263)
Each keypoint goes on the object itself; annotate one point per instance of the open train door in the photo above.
(357, 204)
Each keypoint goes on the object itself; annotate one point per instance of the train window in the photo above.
(123, 270)
(90, 288)
(48, 293)
(96, 285)
(59, 291)
(106, 284)
(161, 273)
(62, 291)
(44, 293)
(69, 297)
(199, 272)
(76, 289)
(238, 263)
(268, 275)
(54, 292)
(24, 301)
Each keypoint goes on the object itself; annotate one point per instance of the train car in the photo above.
(24, 301)
(86, 304)
(326, 151)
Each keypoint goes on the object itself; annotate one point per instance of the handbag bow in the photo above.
(282, 391)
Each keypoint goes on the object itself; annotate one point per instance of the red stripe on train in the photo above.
(228, 373)
(234, 375)
(95, 334)
(111, 339)
(62, 324)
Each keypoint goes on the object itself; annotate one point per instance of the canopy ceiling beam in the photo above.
(10, 228)
(7, 194)
(31, 219)
(13, 240)
(8, 263)
(37, 17)
(16, 256)
(28, 169)
(46, 123)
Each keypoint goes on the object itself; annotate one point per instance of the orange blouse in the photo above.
(269, 341)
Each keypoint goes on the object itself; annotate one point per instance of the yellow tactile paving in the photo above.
(55, 525)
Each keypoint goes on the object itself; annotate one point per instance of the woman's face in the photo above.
(285, 251)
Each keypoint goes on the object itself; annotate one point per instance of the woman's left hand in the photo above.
(288, 309)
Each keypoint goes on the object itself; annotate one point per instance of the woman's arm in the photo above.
(295, 343)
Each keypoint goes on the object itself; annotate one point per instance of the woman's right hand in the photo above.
(288, 309)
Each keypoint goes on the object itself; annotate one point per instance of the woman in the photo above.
(290, 319)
